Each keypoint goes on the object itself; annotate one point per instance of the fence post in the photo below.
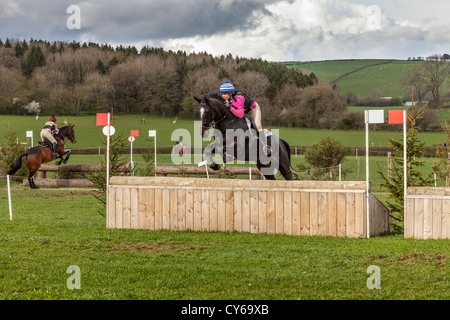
(447, 177)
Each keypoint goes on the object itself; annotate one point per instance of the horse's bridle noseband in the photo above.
(213, 123)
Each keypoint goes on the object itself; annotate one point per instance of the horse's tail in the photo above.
(288, 149)
(17, 165)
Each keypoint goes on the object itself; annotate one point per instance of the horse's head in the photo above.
(211, 111)
(69, 133)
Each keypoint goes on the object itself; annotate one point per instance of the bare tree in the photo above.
(436, 71)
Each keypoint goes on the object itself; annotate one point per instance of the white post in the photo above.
(155, 152)
(250, 173)
(405, 170)
(9, 197)
(107, 160)
(131, 154)
(367, 172)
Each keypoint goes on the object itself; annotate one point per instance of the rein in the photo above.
(213, 123)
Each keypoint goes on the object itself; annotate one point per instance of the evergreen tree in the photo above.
(18, 49)
(35, 59)
(395, 183)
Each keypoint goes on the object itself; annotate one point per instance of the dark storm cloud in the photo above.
(168, 18)
(129, 20)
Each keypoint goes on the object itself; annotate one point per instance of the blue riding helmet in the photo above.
(227, 87)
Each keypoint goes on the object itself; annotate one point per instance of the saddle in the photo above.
(250, 123)
(44, 144)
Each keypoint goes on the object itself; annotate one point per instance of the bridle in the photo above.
(211, 122)
(70, 135)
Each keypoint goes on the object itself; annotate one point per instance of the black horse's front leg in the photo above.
(209, 150)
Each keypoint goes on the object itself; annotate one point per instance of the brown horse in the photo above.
(36, 156)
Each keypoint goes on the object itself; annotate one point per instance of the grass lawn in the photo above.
(89, 135)
(55, 229)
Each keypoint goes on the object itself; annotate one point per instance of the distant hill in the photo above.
(360, 76)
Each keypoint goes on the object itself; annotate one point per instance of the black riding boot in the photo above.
(54, 148)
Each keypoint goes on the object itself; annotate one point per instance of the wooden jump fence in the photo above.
(303, 208)
(191, 170)
(41, 179)
(427, 213)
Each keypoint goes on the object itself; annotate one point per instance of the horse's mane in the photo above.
(213, 95)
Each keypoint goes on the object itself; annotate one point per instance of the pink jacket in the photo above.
(237, 107)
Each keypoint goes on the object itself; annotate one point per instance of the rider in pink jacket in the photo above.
(241, 105)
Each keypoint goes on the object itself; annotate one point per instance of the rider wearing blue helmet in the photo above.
(241, 105)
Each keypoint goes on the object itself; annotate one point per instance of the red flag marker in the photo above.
(395, 116)
(102, 119)
(134, 133)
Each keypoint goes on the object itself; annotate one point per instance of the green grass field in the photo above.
(89, 135)
(55, 229)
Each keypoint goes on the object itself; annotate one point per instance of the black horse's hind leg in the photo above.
(31, 181)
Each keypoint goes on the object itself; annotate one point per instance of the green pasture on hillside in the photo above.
(53, 230)
(168, 132)
(385, 77)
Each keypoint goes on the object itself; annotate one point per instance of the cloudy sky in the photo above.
(288, 30)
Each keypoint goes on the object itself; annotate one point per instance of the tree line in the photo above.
(85, 78)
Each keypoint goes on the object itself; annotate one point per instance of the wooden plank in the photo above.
(418, 218)
(314, 213)
(437, 219)
(332, 214)
(428, 219)
(237, 210)
(245, 211)
(296, 213)
(445, 219)
(134, 208)
(341, 215)
(213, 217)
(350, 215)
(150, 207)
(229, 207)
(126, 222)
(279, 201)
(235, 183)
(221, 211)
(166, 209)
(287, 212)
(111, 214)
(190, 209)
(409, 217)
(158, 209)
(205, 210)
(197, 210)
(322, 214)
(254, 208)
(181, 211)
(271, 218)
(262, 205)
(360, 214)
(305, 229)
(173, 209)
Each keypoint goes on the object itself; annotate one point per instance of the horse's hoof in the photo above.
(215, 166)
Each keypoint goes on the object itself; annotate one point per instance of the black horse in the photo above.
(36, 156)
(235, 140)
